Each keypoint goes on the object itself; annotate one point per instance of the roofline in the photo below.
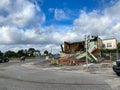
(109, 39)
(77, 42)
(74, 42)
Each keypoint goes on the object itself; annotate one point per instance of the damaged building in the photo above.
(71, 48)
(74, 53)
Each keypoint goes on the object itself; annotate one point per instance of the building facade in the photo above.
(97, 43)
(109, 43)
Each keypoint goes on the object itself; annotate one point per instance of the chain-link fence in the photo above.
(109, 56)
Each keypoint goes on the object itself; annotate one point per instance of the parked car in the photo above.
(116, 68)
(3, 59)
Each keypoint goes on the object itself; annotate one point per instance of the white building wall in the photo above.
(109, 44)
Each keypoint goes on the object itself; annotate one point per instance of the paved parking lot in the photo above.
(29, 76)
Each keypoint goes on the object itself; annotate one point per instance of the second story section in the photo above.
(110, 43)
(70, 48)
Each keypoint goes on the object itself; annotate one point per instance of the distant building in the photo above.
(109, 43)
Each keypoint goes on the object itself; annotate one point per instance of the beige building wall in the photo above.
(109, 44)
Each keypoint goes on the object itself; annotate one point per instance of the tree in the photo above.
(10, 54)
(46, 52)
(31, 51)
(118, 45)
(21, 53)
(38, 52)
(1, 54)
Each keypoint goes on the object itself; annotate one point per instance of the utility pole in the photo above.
(51, 50)
(86, 46)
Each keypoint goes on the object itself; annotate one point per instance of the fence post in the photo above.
(117, 55)
(110, 59)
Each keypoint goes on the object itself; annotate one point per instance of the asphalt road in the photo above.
(13, 76)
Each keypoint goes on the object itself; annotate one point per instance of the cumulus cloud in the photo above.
(20, 13)
(14, 24)
(4, 3)
(60, 15)
(51, 9)
(51, 47)
(92, 23)
(113, 12)
(105, 24)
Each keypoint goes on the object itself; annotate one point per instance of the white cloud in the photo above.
(92, 23)
(4, 3)
(20, 13)
(23, 17)
(11, 35)
(113, 12)
(15, 39)
(60, 15)
(51, 9)
(51, 48)
(105, 24)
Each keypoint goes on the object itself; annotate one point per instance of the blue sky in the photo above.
(71, 8)
(45, 24)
